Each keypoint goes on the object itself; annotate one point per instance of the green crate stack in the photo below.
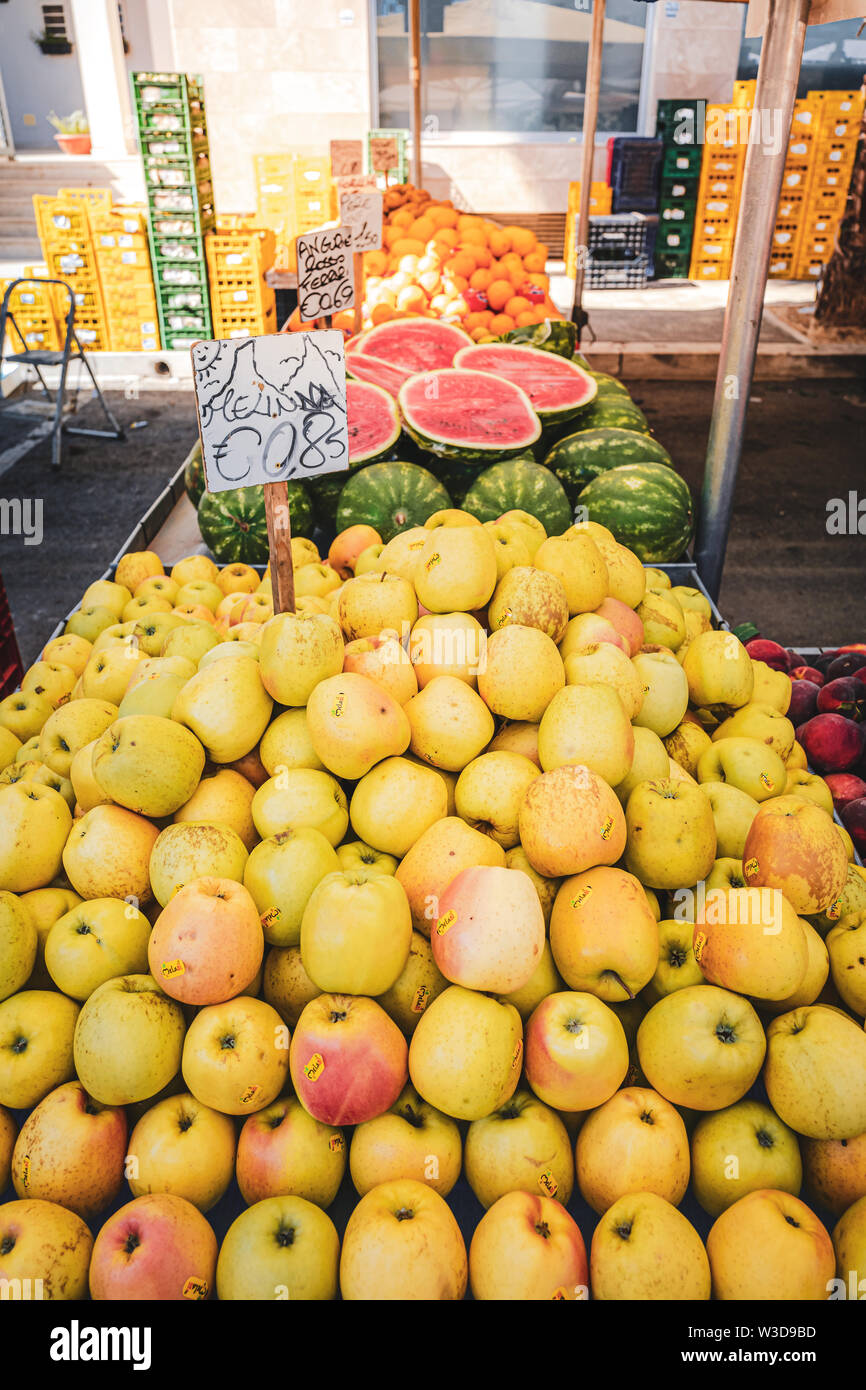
(172, 134)
(680, 125)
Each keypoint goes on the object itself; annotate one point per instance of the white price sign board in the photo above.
(361, 212)
(271, 408)
(325, 281)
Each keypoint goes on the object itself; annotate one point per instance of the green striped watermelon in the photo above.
(609, 385)
(325, 493)
(551, 335)
(558, 388)
(234, 525)
(520, 485)
(612, 410)
(193, 475)
(580, 457)
(647, 506)
(391, 497)
(467, 415)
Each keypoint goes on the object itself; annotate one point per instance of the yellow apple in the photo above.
(50, 679)
(576, 1051)
(521, 672)
(746, 763)
(635, 1142)
(450, 723)
(815, 1072)
(835, 1171)
(846, 944)
(384, 661)
(353, 723)
(701, 1047)
(571, 820)
(575, 560)
(71, 727)
(671, 834)
(301, 797)
(603, 663)
(297, 651)
(741, 1149)
(128, 1040)
(108, 594)
(225, 796)
(236, 1056)
(649, 762)
(733, 813)
(718, 670)
(402, 1241)
(662, 616)
(282, 1247)
(68, 650)
(374, 604)
(521, 1146)
(189, 850)
(411, 1140)
(355, 936)
(182, 1147)
(191, 640)
(281, 874)
(643, 1248)
(763, 723)
(148, 764)
(456, 569)
(44, 1247)
(227, 707)
(531, 597)
(36, 1030)
(489, 793)
(445, 848)
(676, 967)
(107, 854)
(418, 984)
(396, 802)
(465, 1054)
(34, 824)
(603, 936)
(19, 944)
(687, 743)
(284, 1152)
(94, 942)
(587, 724)
(769, 1245)
(793, 846)
(286, 984)
(286, 743)
(527, 1247)
(70, 1151)
(665, 690)
(509, 545)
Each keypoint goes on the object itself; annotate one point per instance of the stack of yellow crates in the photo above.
(35, 312)
(838, 118)
(294, 194)
(242, 304)
(600, 195)
(67, 248)
(119, 236)
(719, 191)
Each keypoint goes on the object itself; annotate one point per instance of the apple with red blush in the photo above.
(831, 742)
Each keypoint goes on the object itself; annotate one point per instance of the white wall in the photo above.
(33, 82)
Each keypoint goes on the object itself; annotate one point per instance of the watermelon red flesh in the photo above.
(373, 422)
(463, 414)
(363, 367)
(557, 387)
(417, 345)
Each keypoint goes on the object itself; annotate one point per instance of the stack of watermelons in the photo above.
(436, 420)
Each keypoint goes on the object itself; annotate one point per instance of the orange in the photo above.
(498, 293)
(480, 279)
(522, 239)
(499, 243)
(501, 323)
(488, 316)
(476, 334)
(518, 305)
(469, 219)
(413, 297)
(542, 249)
(473, 320)
(482, 255)
(390, 235)
(422, 228)
(448, 235)
(536, 278)
(534, 262)
(375, 262)
(345, 321)
(401, 218)
(462, 263)
(407, 246)
(457, 283)
(474, 236)
(523, 320)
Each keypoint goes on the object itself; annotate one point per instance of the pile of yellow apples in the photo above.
(493, 858)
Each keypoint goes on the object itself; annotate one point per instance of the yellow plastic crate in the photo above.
(600, 198)
(31, 331)
(781, 266)
(744, 92)
(786, 239)
(791, 207)
(710, 270)
(241, 325)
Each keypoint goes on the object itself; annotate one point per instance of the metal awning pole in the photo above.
(590, 119)
(415, 81)
(781, 55)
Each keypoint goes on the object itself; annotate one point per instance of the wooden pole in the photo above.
(415, 80)
(358, 276)
(280, 545)
(590, 120)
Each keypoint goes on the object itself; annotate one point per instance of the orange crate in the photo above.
(791, 206)
(807, 268)
(718, 209)
(800, 150)
(727, 165)
(600, 197)
(830, 176)
(710, 270)
(785, 240)
(781, 266)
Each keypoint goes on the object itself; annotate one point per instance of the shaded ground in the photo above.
(806, 443)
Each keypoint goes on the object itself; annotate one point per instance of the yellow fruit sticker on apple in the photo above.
(505, 617)
(338, 705)
(607, 828)
(272, 916)
(560, 1295)
(250, 1093)
(195, 1288)
(419, 1000)
(766, 781)
(750, 867)
(445, 923)
(336, 1143)
(172, 967)
(547, 1182)
(700, 943)
(518, 1052)
(64, 698)
(314, 1068)
(582, 896)
(25, 1170)
(435, 559)
(834, 911)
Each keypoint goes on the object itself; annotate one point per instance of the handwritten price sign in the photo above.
(271, 408)
(347, 157)
(325, 281)
(361, 212)
(384, 153)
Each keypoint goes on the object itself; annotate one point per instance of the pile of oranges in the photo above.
(441, 263)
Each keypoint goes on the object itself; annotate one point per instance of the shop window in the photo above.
(517, 67)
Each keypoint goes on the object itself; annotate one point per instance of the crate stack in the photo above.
(63, 225)
(294, 194)
(618, 254)
(120, 244)
(599, 206)
(34, 309)
(243, 305)
(838, 117)
(677, 125)
(719, 193)
(172, 133)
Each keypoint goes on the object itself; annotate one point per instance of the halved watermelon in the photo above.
(363, 367)
(417, 345)
(557, 387)
(468, 415)
(373, 420)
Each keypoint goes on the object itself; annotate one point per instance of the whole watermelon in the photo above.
(647, 506)
(580, 457)
(193, 475)
(520, 485)
(392, 497)
(457, 478)
(611, 409)
(609, 385)
(325, 494)
(551, 335)
(234, 525)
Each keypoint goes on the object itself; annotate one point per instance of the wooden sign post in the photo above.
(361, 212)
(270, 410)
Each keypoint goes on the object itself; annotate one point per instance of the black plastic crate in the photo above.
(634, 172)
(617, 275)
(619, 237)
